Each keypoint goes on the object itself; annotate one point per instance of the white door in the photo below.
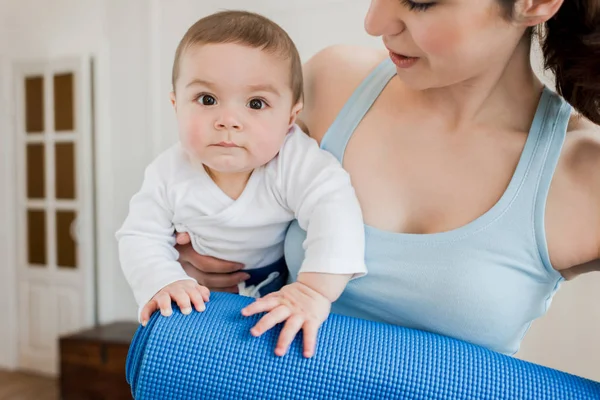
(54, 206)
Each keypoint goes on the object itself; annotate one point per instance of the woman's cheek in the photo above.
(454, 35)
(440, 42)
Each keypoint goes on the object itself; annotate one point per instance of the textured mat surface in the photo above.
(211, 355)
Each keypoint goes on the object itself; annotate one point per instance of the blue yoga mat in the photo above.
(211, 355)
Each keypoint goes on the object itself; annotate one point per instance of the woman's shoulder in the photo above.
(330, 77)
(581, 164)
(582, 146)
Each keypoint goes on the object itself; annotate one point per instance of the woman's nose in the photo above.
(383, 18)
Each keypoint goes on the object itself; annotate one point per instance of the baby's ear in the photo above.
(295, 111)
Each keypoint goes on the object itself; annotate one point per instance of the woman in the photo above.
(479, 186)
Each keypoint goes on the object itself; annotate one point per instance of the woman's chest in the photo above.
(416, 179)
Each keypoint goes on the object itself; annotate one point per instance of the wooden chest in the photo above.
(92, 363)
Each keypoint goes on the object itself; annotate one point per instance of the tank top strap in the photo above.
(337, 136)
(539, 160)
(551, 130)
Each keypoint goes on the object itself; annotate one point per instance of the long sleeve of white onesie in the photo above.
(146, 239)
(313, 184)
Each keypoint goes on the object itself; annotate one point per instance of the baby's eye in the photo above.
(207, 100)
(257, 104)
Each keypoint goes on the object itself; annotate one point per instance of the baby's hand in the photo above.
(302, 307)
(184, 293)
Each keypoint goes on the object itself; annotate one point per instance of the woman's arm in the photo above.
(215, 274)
(573, 208)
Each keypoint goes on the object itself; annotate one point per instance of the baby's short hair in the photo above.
(248, 29)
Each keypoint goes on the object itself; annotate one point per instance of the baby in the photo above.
(240, 173)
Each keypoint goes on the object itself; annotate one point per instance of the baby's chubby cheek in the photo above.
(265, 150)
(193, 138)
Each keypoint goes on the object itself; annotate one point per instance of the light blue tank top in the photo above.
(484, 282)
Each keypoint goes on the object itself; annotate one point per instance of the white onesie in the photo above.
(302, 182)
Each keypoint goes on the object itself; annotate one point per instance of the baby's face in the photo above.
(233, 105)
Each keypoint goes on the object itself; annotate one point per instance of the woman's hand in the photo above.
(217, 275)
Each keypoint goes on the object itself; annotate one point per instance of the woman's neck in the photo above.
(504, 96)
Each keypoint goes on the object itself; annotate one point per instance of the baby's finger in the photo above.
(263, 304)
(196, 297)
(205, 292)
(183, 301)
(147, 311)
(288, 333)
(164, 303)
(279, 314)
(310, 329)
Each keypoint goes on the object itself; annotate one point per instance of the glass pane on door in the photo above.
(63, 103)
(36, 237)
(34, 104)
(66, 248)
(35, 171)
(65, 171)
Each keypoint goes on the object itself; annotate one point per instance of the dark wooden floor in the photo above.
(22, 386)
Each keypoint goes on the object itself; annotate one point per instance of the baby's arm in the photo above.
(317, 189)
(314, 185)
(147, 254)
(329, 286)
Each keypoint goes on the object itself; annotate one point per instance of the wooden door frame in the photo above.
(8, 287)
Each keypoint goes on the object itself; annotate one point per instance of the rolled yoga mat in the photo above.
(211, 355)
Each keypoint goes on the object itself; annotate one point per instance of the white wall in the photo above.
(134, 42)
(34, 28)
(130, 147)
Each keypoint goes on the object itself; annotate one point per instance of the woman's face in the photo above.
(444, 42)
